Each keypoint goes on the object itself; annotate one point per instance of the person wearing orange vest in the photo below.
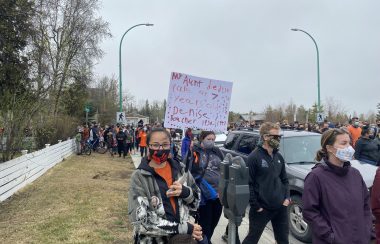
(354, 130)
(142, 145)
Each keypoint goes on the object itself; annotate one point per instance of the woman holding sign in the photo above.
(204, 163)
(161, 195)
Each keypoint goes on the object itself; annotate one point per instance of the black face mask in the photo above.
(159, 156)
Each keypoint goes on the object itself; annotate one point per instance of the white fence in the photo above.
(17, 173)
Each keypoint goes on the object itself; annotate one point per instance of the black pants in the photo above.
(258, 221)
(209, 216)
(120, 147)
(127, 147)
(143, 151)
(131, 146)
(137, 143)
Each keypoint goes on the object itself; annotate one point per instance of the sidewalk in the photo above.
(266, 238)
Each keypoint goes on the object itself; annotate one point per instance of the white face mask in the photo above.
(345, 154)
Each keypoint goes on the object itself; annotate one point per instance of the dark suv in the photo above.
(299, 149)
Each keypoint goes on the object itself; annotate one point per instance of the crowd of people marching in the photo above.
(119, 139)
(175, 199)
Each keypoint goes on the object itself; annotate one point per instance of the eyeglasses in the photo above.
(157, 146)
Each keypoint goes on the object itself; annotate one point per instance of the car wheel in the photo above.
(298, 226)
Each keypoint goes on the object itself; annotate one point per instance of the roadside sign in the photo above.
(320, 117)
(120, 117)
(87, 110)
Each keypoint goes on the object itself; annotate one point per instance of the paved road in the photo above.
(266, 238)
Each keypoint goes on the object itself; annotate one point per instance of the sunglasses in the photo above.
(275, 136)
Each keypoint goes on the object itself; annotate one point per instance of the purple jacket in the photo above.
(336, 205)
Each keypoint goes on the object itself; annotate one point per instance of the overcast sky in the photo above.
(249, 43)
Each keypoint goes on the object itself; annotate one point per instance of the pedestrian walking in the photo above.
(204, 163)
(268, 185)
(94, 135)
(143, 144)
(186, 142)
(137, 138)
(354, 130)
(86, 133)
(78, 140)
(128, 139)
(110, 139)
(367, 149)
(121, 137)
(335, 197)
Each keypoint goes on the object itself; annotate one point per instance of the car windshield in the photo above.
(300, 149)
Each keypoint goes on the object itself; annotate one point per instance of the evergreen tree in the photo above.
(17, 97)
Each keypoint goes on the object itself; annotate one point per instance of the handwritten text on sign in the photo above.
(195, 102)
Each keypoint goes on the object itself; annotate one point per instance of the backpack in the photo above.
(120, 136)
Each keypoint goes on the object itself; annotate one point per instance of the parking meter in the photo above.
(224, 179)
(234, 192)
(238, 189)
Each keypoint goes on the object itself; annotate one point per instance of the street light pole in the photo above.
(319, 85)
(120, 74)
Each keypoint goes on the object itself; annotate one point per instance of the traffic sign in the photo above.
(120, 117)
(320, 117)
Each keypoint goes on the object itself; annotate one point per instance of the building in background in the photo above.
(133, 119)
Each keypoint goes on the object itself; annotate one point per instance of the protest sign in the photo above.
(197, 103)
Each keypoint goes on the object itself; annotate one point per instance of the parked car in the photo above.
(220, 138)
(299, 149)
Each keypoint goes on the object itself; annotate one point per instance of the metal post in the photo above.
(231, 232)
(120, 74)
(318, 74)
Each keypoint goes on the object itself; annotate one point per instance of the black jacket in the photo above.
(268, 183)
(120, 137)
(367, 149)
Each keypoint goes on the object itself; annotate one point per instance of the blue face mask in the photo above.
(345, 154)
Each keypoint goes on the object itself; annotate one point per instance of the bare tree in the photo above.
(333, 107)
(371, 116)
(290, 111)
(301, 114)
(66, 44)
